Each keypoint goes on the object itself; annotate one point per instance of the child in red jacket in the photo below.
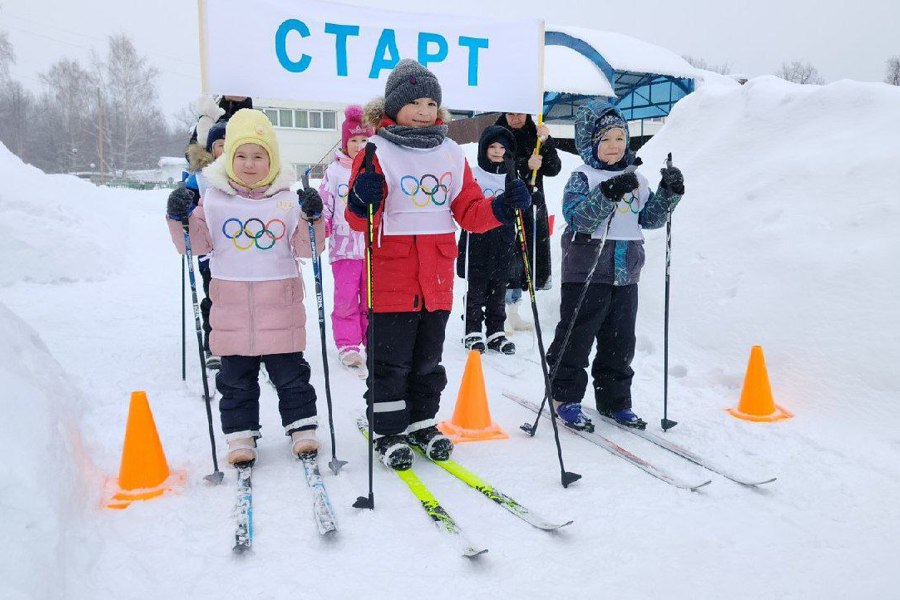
(419, 187)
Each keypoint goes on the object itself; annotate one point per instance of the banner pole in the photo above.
(201, 21)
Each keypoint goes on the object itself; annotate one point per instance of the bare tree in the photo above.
(16, 109)
(892, 76)
(7, 55)
(700, 63)
(800, 72)
(134, 121)
(66, 105)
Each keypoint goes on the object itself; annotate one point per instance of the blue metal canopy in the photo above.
(639, 95)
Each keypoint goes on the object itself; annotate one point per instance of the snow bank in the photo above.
(58, 227)
(44, 496)
(787, 237)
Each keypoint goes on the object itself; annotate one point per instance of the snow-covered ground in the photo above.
(786, 238)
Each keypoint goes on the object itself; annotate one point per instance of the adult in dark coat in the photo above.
(548, 164)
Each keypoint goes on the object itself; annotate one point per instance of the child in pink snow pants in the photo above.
(346, 248)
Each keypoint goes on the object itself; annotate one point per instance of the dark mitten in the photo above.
(515, 197)
(616, 187)
(181, 204)
(310, 204)
(672, 181)
(368, 190)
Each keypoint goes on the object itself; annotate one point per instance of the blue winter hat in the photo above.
(216, 132)
(592, 120)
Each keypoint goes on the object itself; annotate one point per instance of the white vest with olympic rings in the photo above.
(422, 184)
(491, 184)
(338, 181)
(625, 225)
(252, 238)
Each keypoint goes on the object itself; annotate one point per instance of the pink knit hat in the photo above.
(353, 125)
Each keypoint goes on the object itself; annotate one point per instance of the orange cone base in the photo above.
(460, 435)
(780, 414)
(122, 499)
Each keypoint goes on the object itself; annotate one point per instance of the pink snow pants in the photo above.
(349, 318)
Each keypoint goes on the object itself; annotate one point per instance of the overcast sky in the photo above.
(754, 38)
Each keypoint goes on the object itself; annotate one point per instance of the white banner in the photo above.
(323, 51)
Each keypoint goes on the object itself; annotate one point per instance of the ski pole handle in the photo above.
(304, 179)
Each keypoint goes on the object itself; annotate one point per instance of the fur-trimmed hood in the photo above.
(218, 178)
(198, 158)
(375, 117)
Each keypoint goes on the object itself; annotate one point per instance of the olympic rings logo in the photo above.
(254, 230)
(343, 190)
(629, 205)
(490, 192)
(430, 187)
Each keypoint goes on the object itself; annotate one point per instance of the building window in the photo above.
(325, 120)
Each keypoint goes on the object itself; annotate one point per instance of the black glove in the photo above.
(537, 198)
(672, 181)
(181, 204)
(616, 187)
(368, 190)
(310, 204)
(515, 197)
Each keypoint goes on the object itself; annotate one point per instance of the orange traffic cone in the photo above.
(144, 472)
(472, 418)
(756, 402)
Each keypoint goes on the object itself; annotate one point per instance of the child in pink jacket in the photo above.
(347, 249)
(253, 226)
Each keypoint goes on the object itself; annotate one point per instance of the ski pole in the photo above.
(216, 476)
(363, 501)
(335, 464)
(532, 428)
(183, 326)
(666, 423)
(566, 477)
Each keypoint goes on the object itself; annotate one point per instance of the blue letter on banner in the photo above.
(474, 44)
(387, 44)
(425, 56)
(341, 33)
(281, 51)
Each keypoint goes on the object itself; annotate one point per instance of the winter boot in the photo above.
(498, 343)
(514, 322)
(572, 416)
(304, 442)
(242, 450)
(431, 441)
(394, 451)
(213, 362)
(474, 341)
(626, 417)
(350, 356)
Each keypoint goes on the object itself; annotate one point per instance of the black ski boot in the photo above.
(474, 341)
(394, 452)
(432, 442)
(498, 343)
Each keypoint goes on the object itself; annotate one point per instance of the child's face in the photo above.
(355, 144)
(251, 163)
(495, 152)
(611, 148)
(421, 112)
(218, 148)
